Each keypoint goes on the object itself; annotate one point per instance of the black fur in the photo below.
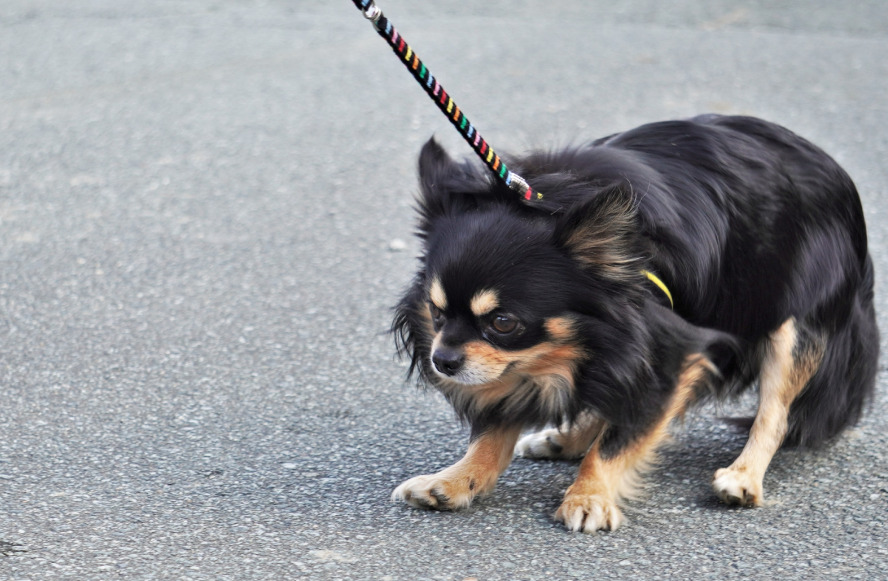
(746, 223)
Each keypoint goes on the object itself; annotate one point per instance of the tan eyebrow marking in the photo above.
(484, 302)
(437, 295)
(560, 328)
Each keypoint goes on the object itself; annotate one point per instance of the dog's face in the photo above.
(496, 302)
(472, 346)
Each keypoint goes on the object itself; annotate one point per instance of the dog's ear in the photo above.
(602, 235)
(441, 177)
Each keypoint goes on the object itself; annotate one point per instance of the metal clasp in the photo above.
(372, 12)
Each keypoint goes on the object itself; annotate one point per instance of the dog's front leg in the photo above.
(489, 454)
(592, 502)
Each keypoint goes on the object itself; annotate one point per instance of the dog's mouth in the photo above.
(467, 378)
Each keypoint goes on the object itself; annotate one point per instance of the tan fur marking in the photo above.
(437, 294)
(490, 375)
(560, 328)
(487, 354)
(489, 394)
(484, 302)
(592, 501)
(558, 360)
(483, 359)
(535, 360)
(476, 473)
(783, 378)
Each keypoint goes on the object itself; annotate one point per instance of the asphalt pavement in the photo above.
(205, 219)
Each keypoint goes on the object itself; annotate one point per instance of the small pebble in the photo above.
(397, 245)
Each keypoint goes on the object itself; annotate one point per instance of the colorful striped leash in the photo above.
(437, 93)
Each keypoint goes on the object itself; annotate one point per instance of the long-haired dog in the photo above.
(670, 263)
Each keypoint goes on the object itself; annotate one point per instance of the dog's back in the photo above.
(751, 226)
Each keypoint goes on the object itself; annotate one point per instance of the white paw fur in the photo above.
(738, 487)
(547, 444)
(436, 492)
(589, 513)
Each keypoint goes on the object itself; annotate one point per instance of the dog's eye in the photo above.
(437, 316)
(504, 324)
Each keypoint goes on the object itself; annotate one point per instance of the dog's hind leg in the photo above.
(568, 442)
(793, 356)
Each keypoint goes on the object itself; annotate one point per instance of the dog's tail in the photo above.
(839, 391)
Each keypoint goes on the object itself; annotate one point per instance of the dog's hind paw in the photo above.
(550, 444)
(737, 487)
(544, 444)
(589, 513)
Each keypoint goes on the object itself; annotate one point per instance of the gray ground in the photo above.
(200, 209)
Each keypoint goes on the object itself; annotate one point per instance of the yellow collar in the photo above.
(656, 280)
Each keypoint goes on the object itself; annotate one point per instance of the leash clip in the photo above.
(372, 12)
(520, 186)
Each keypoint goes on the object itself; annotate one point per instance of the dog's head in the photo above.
(509, 299)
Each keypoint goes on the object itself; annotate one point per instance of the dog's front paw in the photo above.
(589, 513)
(737, 486)
(436, 492)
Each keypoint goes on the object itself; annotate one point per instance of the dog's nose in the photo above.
(448, 361)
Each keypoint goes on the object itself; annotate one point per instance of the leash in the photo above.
(445, 103)
(447, 106)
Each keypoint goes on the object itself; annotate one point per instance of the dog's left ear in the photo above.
(602, 235)
(441, 177)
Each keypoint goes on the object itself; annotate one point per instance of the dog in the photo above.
(667, 265)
